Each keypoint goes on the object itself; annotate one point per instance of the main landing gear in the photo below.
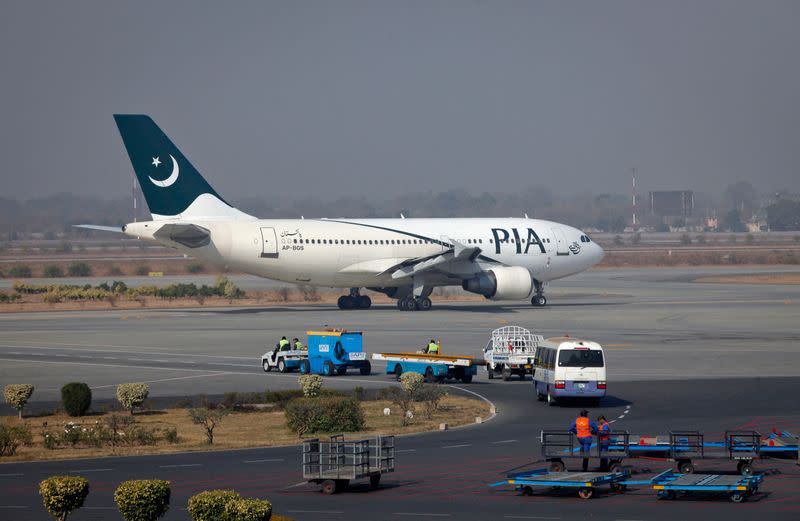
(414, 304)
(538, 299)
(354, 300)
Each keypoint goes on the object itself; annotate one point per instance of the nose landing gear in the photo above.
(538, 299)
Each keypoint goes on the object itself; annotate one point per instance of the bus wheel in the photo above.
(551, 401)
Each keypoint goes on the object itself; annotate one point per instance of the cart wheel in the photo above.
(266, 366)
(281, 366)
(328, 487)
(666, 494)
(374, 481)
(737, 497)
(429, 374)
(685, 467)
(614, 487)
(527, 490)
(467, 378)
(745, 468)
(305, 367)
(557, 466)
(615, 468)
(366, 369)
(327, 368)
(342, 369)
(398, 372)
(623, 487)
(585, 492)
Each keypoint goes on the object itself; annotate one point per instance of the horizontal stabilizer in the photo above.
(96, 227)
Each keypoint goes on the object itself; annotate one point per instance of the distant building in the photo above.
(672, 203)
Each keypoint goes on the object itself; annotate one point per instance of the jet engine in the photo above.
(504, 283)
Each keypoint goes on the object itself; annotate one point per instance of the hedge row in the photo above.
(61, 292)
(148, 500)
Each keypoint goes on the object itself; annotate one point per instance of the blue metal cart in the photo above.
(668, 484)
(585, 482)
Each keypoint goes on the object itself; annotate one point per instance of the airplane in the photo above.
(403, 258)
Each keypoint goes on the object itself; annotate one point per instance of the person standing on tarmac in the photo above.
(584, 428)
(603, 439)
(433, 348)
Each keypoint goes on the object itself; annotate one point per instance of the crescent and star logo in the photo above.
(169, 181)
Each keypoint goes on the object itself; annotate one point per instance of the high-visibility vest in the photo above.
(603, 428)
(433, 348)
(298, 345)
(582, 426)
(283, 343)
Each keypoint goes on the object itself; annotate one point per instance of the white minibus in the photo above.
(567, 367)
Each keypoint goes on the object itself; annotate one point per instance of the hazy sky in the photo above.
(316, 98)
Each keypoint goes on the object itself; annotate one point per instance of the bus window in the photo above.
(549, 359)
(580, 358)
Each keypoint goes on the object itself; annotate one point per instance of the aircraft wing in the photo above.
(457, 261)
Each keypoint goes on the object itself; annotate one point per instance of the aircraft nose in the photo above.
(597, 253)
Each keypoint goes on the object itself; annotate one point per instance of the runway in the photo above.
(681, 355)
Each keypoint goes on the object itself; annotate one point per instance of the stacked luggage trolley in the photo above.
(336, 462)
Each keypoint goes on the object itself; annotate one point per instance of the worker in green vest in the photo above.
(433, 348)
(283, 345)
(298, 345)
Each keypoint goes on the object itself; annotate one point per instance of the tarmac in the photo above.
(680, 355)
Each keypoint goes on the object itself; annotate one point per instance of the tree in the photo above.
(76, 397)
(17, 395)
(733, 221)
(784, 215)
(132, 395)
(208, 419)
(142, 499)
(63, 494)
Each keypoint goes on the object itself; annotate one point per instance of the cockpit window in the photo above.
(585, 238)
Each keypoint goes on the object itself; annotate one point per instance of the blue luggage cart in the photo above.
(585, 482)
(668, 484)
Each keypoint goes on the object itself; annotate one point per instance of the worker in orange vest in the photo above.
(603, 439)
(584, 428)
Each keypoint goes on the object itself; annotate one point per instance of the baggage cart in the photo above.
(669, 484)
(335, 463)
(558, 446)
(585, 482)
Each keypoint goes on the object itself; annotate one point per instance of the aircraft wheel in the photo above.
(539, 301)
(364, 302)
(341, 302)
(409, 304)
(424, 303)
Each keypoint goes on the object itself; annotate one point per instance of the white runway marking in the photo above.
(423, 514)
(504, 441)
(316, 511)
(82, 471)
(262, 460)
(180, 466)
(457, 446)
(405, 450)
(166, 379)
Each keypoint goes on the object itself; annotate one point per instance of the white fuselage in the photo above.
(363, 252)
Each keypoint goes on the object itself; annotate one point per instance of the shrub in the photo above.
(249, 509)
(749, 238)
(76, 398)
(686, 239)
(132, 395)
(283, 293)
(114, 271)
(63, 494)
(282, 398)
(5, 297)
(324, 414)
(208, 419)
(53, 271)
(11, 437)
(411, 382)
(171, 435)
(430, 396)
(22, 271)
(142, 270)
(210, 505)
(309, 293)
(618, 240)
(195, 268)
(636, 238)
(142, 499)
(79, 269)
(17, 395)
(311, 384)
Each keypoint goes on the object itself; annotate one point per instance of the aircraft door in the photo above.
(561, 241)
(269, 243)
